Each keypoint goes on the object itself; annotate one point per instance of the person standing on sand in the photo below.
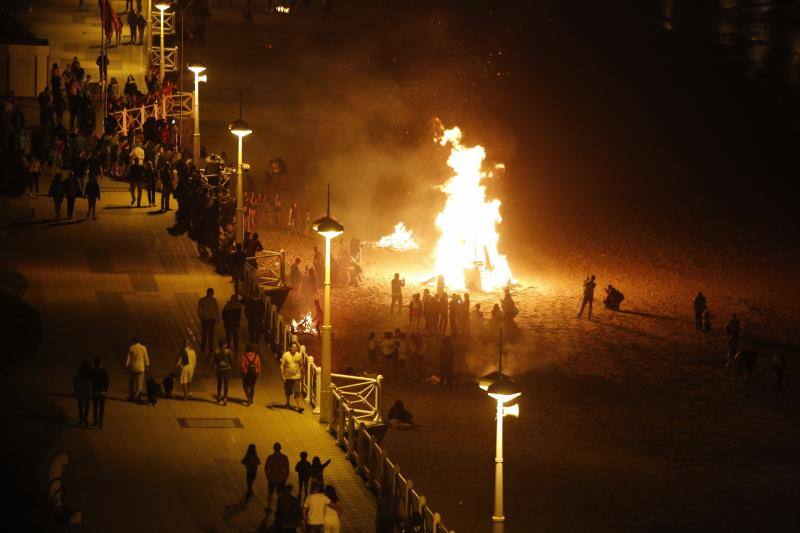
(699, 309)
(250, 462)
(397, 294)
(588, 295)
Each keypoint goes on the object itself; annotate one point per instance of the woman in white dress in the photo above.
(185, 368)
(330, 519)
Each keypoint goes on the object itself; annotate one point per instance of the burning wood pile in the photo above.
(305, 325)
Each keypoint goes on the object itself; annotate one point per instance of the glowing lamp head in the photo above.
(240, 128)
(162, 6)
(504, 391)
(328, 227)
(196, 67)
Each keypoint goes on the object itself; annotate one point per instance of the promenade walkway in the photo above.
(97, 283)
(75, 32)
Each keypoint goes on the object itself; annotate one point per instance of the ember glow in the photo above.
(401, 240)
(282, 9)
(468, 222)
(305, 325)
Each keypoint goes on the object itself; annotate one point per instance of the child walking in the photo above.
(250, 462)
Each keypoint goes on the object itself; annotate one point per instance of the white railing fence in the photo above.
(169, 106)
(169, 22)
(170, 57)
(357, 420)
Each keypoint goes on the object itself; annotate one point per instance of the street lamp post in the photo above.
(241, 129)
(506, 394)
(330, 229)
(162, 6)
(197, 68)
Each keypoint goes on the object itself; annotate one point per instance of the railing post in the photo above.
(437, 522)
(351, 436)
(309, 365)
(378, 399)
(317, 387)
(407, 499)
(124, 121)
(360, 452)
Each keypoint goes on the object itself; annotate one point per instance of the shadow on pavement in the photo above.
(67, 222)
(648, 315)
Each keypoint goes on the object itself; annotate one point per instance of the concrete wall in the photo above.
(23, 69)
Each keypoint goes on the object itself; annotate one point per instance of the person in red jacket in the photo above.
(251, 370)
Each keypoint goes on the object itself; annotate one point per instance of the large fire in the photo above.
(466, 253)
(402, 239)
(305, 325)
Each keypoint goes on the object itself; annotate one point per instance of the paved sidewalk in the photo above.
(76, 32)
(97, 283)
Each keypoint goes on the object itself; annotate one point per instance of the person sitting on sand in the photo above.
(613, 298)
(399, 417)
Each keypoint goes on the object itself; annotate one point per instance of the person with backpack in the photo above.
(251, 370)
(223, 362)
(187, 360)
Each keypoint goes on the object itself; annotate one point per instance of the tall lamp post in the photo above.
(162, 6)
(241, 129)
(330, 229)
(506, 394)
(197, 68)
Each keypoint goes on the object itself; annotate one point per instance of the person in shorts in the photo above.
(290, 373)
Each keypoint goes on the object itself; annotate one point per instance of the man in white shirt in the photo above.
(291, 375)
(136, 365)
(314, 509)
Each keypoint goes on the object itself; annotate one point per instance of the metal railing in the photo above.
(372, 463)
(169, 106)
(169, 22)
(170, 57)
(357, 420)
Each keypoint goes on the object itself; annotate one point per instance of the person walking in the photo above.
(57, 193)
(141, 24)
(397, 294)
(102, 64)
(184, 366)
(167, 187)
(699, 309)
(276, 468)
(72, 190)
(223, 362)
(82, 387)
(291, 375)
(92, 195)
(331, 522)
(99, 392)
(250, 462)
(733, 330)
(232, 319)
(251, 369)
(137, 364)
(208, 313)
(588, 295)
(303, 469)
(447, 358)
(254, 311)
(133, 21)
(317, 471)
(236, 262)
(314, 510)
(287, 512)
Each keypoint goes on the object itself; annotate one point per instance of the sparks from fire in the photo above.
(401, 240)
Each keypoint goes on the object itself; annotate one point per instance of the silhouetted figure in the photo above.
(397, 294)
(778, 370)
(707, 328)
(699, 309)
(588, 295)
(153, 388)
(399, 417)
(733, 330)
(82, 385)
(250, 462)
(287, 511)
(744, 365)
(613, 298)
(509, 308)
(303, 469)
(99, 392)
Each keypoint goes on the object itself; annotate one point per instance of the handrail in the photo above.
(169, 22)
(169, 106)
(357, 406)
(170, 57)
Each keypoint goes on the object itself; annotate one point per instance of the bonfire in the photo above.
(305, 325)
(466, 253)
(402, 239)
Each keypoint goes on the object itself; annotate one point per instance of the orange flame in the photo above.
(401, 240)
(468, 222)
